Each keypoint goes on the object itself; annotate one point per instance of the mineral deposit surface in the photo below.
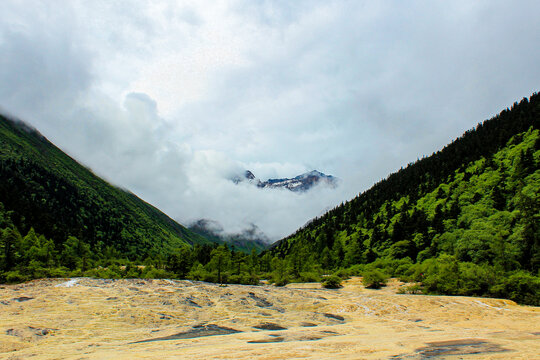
(168, 319)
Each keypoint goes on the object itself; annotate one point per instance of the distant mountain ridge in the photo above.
(300, 183)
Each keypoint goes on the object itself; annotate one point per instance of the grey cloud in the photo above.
(42, 68)
(355, 89)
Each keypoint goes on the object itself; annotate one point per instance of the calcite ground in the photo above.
(164, 319)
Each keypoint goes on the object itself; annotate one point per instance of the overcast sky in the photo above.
(170, 98)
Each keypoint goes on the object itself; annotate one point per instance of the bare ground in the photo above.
(164, 319)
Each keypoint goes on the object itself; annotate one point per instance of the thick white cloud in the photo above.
(170, 98)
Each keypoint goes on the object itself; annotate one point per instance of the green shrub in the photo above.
(76, 273)
(60, 272)
(402, 271)
(37, 272)
(354, 270)
(197, 272)
(309, 276)
(374, 279)
(244, 279)
(441, 275)
(13, 277)
(475, 280)
(332, 282)
(281, 280)
(150, 272)
(212, 277)
(343, 273)
(521, 287)
(411, 289)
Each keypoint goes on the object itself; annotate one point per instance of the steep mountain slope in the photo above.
(44, 188)
(300, 183)
(470, 212)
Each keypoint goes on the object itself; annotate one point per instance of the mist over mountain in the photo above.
(300, 183)
(249, 238)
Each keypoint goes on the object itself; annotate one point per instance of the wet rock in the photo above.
(22, 299)
(29, 332)
(39, 332)
(268, 340)
(189, 301)
(311, 338)
(335, 317)
(260, 302)
(269, 326)
(195, 332)
(459, 347)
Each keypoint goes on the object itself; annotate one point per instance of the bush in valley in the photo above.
(309, 276)
(150, 272)
(411, 289)
(244, 279)
(520, 286)
(13, 277)
(374, 279)
(332, 282)
(281, 280)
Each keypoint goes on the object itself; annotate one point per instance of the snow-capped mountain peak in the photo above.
(300, 183)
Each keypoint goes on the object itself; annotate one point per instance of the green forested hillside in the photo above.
(465, 220)
(43, 189)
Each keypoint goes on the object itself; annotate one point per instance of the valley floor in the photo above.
(164, 319)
